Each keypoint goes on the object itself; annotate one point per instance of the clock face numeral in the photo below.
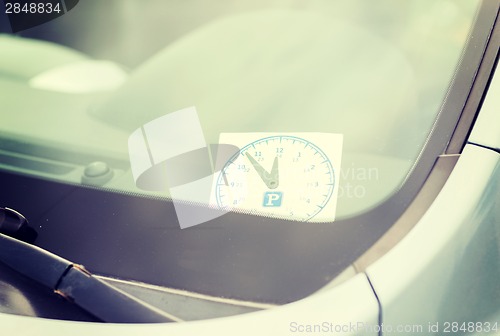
(281, 176)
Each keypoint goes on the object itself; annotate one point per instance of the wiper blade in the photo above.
(76, 284)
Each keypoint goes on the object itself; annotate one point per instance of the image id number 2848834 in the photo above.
(470, 327)
(32, 8)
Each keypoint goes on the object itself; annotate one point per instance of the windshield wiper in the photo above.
(14, 224)
(70, 280)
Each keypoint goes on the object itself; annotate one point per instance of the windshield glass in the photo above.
(190, 144)
(310, 111)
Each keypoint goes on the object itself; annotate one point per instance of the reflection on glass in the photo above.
(376, 72)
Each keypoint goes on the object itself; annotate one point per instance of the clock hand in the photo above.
(270, 179)
(258, 168)
(274, 176)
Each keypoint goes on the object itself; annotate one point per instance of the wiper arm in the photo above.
(13, 224)
(74, 282)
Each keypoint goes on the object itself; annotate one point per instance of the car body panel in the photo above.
(448, 265)
(486, 131)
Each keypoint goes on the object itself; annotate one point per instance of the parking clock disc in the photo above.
(281, 176)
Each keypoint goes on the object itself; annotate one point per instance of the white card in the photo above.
(284, 175)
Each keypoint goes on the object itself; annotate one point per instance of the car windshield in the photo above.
(360, 81)
(125, 122)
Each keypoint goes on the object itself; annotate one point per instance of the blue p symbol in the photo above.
(272, 199)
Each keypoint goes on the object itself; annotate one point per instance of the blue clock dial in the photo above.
(281, 176)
